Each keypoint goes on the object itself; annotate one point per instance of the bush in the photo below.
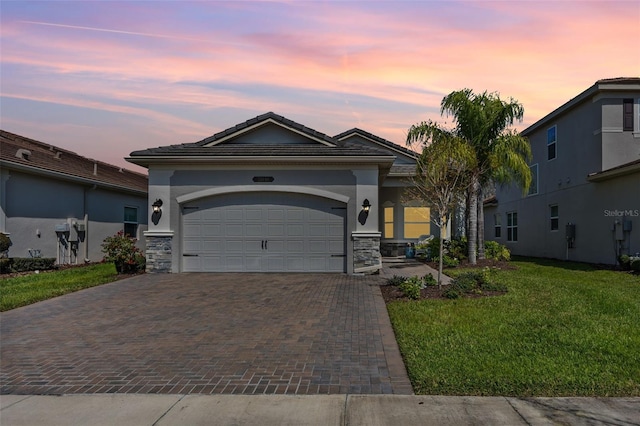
(5, 243)
(122, 251)
(625, 262)
(447, 261)
(411, 287)
(458, 248)
(496, 251)
(473, 283)
(429, 280)
(634, 264)
(23, 264)
(433, 248)
(396, 280)
(5, 266)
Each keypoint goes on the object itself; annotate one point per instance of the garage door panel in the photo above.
(264, 232)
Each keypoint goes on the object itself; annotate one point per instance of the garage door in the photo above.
(263, 232)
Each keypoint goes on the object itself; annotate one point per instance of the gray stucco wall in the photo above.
(34, 205)
(592, 207)
(618, 147)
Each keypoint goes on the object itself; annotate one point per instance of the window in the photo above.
(627, 115)
(388, 222)
(553, 217)
(512, 226)
(131, 221)
(533, 188)
(497, 227)
(552, 139)
(417, 221)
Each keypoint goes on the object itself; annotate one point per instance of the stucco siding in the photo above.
(34, 205)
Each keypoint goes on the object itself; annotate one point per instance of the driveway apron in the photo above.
(206, 334)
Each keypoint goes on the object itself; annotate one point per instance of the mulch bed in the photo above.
(391, 293)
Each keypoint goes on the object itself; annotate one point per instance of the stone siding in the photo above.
(159, 253)
(366, 254)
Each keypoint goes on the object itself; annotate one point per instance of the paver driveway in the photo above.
(206, 333)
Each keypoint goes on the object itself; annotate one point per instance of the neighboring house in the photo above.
(584, 201)
(273, 195)
(56, 203)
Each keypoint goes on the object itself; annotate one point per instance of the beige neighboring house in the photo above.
(273, 195)
(56, 203)
(584, 202)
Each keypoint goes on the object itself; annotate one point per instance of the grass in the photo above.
(27, 289)
(563, 329)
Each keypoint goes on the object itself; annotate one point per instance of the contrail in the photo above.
(106, 30)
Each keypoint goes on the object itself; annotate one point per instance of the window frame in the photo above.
(628, 103)
(554, 219)
(130, 222)
(512, 226)
(405, 222)
(497, 226)
(536, 180)
(553, 142)
(386, 206)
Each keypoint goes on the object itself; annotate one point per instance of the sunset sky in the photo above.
(104, 78)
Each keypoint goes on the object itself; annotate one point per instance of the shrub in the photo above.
(433, 248)
(122, 251)
(625, 262)
(429, 280)
(458, 248)
(411, 287)
(5, 243)
(5, 266)
(473, 283)
(496, 251)
(447, 261)
(634, 264)
(396, 280)
(23, 264)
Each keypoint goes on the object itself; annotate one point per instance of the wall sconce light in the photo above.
(157, 206)
(366, 205)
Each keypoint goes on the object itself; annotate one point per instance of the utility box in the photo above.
(80, 227)
(63, 227)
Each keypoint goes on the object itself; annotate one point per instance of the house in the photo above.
(55, 203)
(273, 195)
(584, 201)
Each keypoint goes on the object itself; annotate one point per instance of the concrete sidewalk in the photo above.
(370, 410)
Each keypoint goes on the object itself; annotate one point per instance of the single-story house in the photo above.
(273, 195)
(55, 203)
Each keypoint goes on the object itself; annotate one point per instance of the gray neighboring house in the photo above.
(584, 203)
(56, 203)
(273, 195)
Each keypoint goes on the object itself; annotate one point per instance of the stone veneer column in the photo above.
(366, 253)
(159, 253)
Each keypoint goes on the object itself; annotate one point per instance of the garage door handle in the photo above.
(265, 244)
(262, 244)
(189, 255)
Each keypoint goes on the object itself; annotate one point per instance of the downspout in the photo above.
(86, 223)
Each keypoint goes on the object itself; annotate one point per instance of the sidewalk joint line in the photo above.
(168, 409)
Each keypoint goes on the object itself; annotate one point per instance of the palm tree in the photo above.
(482, 121)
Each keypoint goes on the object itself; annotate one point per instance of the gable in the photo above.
(269, 133)
(360, 137)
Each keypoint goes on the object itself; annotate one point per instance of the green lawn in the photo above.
(562, 329)
(24, 290)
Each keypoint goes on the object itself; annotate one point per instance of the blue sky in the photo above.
(104, 78)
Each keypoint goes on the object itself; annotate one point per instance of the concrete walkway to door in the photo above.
(206, 334)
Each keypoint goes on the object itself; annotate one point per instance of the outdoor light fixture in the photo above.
(157, 206)
(366, 205)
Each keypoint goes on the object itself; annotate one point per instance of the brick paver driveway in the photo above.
(206, 333)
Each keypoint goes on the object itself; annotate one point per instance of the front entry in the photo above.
(263, 232)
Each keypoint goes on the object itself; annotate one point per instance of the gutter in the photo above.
(614, 173)
(146, 160)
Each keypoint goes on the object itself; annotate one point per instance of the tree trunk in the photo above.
(473, 220)
(467, 203)
(481, 224)
(441, 255)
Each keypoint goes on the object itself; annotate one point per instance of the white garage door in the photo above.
(263, 232)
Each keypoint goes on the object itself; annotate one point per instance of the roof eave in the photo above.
(68, 177)
(177, 159)
(614, 173)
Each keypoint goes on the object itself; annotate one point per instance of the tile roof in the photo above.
(378, 139)
(265, 117)
(21, 151)
(331, 148)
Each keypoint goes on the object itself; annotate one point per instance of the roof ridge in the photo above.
(386, 142)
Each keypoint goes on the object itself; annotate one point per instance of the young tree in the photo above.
(442, 172)
(502, 155)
